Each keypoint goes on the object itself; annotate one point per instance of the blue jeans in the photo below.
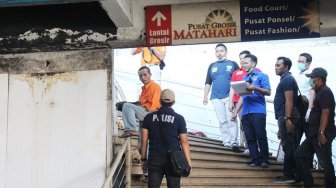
(131, 113)
(324, 155)
(254, 126)
(290, 142)
(158, 166)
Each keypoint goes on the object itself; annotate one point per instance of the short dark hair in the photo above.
(252, 57)
(166, 104)
(307, 56)
(286, 61)
(245, 52)
(144, 67)
(221, 44)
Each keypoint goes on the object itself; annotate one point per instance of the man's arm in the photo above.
(311, 102)
(260, 90)
(231, 99)
(323, 124)
(144, 142)
(288, 110)
(206, 93)
(238, 108)
(159, 52)
(185, 147)
(135, 51)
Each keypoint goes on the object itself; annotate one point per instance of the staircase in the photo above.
(214, 166)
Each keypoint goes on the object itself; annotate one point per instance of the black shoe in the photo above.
(264, 165)
(284, 180)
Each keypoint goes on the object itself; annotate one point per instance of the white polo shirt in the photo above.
(303, 82)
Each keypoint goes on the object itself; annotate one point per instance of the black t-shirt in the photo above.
(173, 125)
(324, 99)
(287, 83)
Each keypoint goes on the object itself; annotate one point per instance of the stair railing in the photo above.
(117, 164)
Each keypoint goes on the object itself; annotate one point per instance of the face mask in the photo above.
(311, 83)
(250, 71)
(220, 58)
(301, 66)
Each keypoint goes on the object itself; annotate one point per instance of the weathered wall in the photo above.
(55, 62)
(55, 28)
(58, 119)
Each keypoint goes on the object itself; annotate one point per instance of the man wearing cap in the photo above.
(320, 132)
(164, 129)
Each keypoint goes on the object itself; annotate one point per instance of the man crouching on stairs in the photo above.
(149, 101)
(164, 129)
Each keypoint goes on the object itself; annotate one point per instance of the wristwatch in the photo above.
(285, 118)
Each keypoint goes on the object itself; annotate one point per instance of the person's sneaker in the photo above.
(264, 165)
(235, 146)
(253, 164)
(227, 146)
(247, 151)
(283, 180)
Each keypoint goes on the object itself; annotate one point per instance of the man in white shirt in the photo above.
(304, 66)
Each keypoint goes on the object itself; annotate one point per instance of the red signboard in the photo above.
(158, 25)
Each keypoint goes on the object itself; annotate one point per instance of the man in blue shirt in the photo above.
(254, 112)
(287, 114)
(218, 79)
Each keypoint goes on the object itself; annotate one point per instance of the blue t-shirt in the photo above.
(255, 102)
(173, 125)
(219, 76)
(287, 83)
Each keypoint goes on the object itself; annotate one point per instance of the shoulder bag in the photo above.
(302, 102)
(177, 159)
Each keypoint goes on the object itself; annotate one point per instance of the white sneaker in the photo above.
(246, 151)
(227, 146)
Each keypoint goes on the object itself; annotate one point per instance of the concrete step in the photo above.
(214, 166)
(230, 182)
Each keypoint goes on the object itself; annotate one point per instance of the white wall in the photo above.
(56, 134)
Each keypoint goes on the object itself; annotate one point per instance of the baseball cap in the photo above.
(167, 95)
(318, 72)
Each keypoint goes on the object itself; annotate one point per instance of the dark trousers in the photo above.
(302, 128)
(158, 166)
(254, 126)
(324, 156)
(290, 142)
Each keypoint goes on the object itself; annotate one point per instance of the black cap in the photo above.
(318, 72)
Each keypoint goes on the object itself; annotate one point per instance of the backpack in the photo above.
(302, 104)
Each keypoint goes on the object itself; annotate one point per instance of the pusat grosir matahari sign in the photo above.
(231, 21)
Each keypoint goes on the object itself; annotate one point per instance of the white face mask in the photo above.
(301, 66)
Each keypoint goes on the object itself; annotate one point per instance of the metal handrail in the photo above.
(125, 149)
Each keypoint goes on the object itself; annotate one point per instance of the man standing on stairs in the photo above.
(149, 101)
(254, 112)
(320, 133)
(152, 57)
(218, 79)
(288, 115)
(165, 130)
